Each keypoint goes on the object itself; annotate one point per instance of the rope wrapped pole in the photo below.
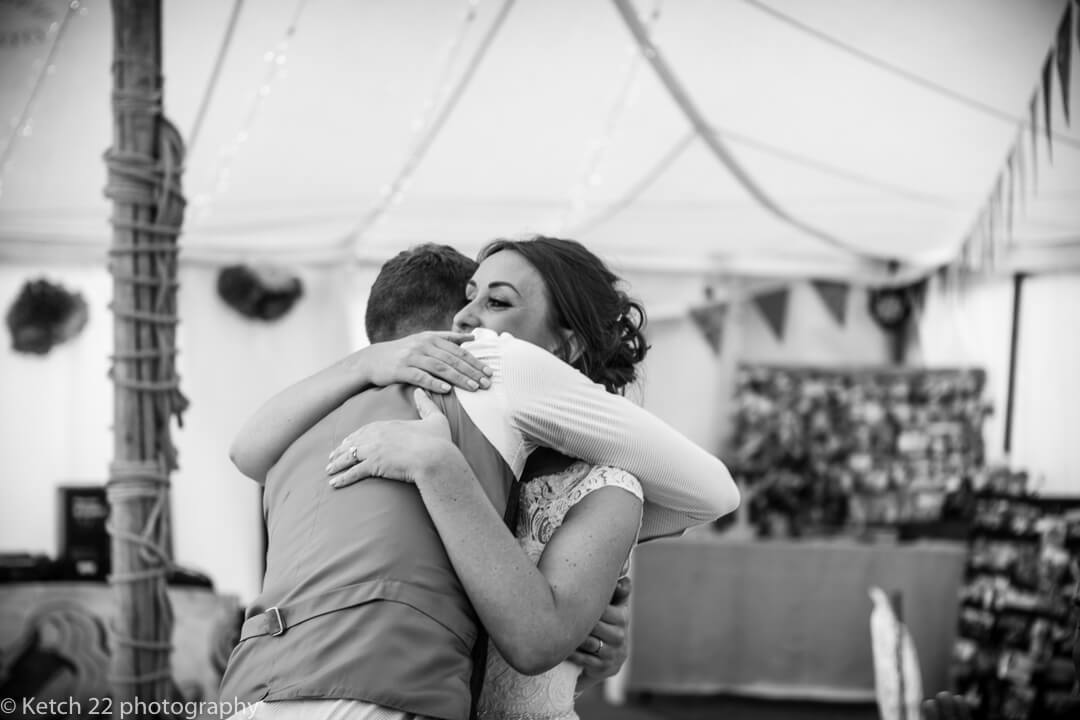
(145, 164)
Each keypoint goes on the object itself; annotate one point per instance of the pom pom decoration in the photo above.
(259, 292)
(43, 315)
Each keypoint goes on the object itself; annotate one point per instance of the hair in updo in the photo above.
(586, 298)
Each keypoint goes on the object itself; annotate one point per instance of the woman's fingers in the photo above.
(344, 456)
(453, 364)
(354, 474)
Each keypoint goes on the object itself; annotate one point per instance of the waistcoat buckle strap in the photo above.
(277, 617)
(274, 621)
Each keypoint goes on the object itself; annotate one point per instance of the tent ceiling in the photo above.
(338, 123)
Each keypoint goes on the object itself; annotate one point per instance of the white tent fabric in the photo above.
(309, 160)
(300, 138)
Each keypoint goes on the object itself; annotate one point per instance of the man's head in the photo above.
(418, 289)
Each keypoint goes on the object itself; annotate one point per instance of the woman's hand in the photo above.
(431, 360)
(394, 449)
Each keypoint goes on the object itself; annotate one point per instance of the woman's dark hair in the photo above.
(585, 298)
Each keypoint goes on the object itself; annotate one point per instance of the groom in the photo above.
(361, 611)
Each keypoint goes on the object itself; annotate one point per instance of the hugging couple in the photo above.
(451, 509)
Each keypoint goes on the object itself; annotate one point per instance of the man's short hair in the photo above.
(421, 288)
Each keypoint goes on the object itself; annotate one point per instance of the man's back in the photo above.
(359, 576)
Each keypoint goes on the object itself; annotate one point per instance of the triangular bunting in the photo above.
(1064, 57)
(1048, 91)
(710, 321)
(773, 305)
(917, 292)
(834, 295)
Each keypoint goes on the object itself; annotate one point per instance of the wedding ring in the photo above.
(599, 646)
(355, 456)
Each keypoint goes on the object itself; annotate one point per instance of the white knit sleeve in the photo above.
(554, 405)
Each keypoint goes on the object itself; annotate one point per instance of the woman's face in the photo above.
(507, 294)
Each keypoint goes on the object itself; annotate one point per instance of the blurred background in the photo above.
(855, 225)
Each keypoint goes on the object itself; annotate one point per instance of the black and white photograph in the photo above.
(540, 359)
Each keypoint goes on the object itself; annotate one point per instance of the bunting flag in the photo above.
(1064, 57)
(710, 321)
(1048, 92)
(773, 306)
(834, 295)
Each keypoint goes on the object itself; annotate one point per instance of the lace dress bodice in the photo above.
(507, 694)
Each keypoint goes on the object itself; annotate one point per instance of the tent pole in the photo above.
(1014, 342)
(144, 169)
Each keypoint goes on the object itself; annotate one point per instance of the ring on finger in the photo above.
(599, 646)
(354, 453)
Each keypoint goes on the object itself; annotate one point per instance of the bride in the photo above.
(540, 593)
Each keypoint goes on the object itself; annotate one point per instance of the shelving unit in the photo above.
(1013, 654)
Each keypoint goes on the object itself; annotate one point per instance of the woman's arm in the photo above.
(535, 614)
(431, 360)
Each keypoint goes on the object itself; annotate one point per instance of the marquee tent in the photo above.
(334, 127)
(688, 141)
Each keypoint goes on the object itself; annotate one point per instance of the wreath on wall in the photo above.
(44, 315)
(259, 292)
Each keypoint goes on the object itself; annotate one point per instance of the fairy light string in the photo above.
(22, 124)
(427, 131)
(590, 175)
(275, 60)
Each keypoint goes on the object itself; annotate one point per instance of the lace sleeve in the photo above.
(604, 476)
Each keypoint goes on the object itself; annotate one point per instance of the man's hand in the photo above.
(605, 651)
(946, 706)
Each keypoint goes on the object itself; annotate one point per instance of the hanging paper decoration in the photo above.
(773, 306)
(43, 315)
(710, 321)
(261, 293)
(1064, 57)
(834, 295)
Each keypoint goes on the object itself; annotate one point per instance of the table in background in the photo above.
(784, 618)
